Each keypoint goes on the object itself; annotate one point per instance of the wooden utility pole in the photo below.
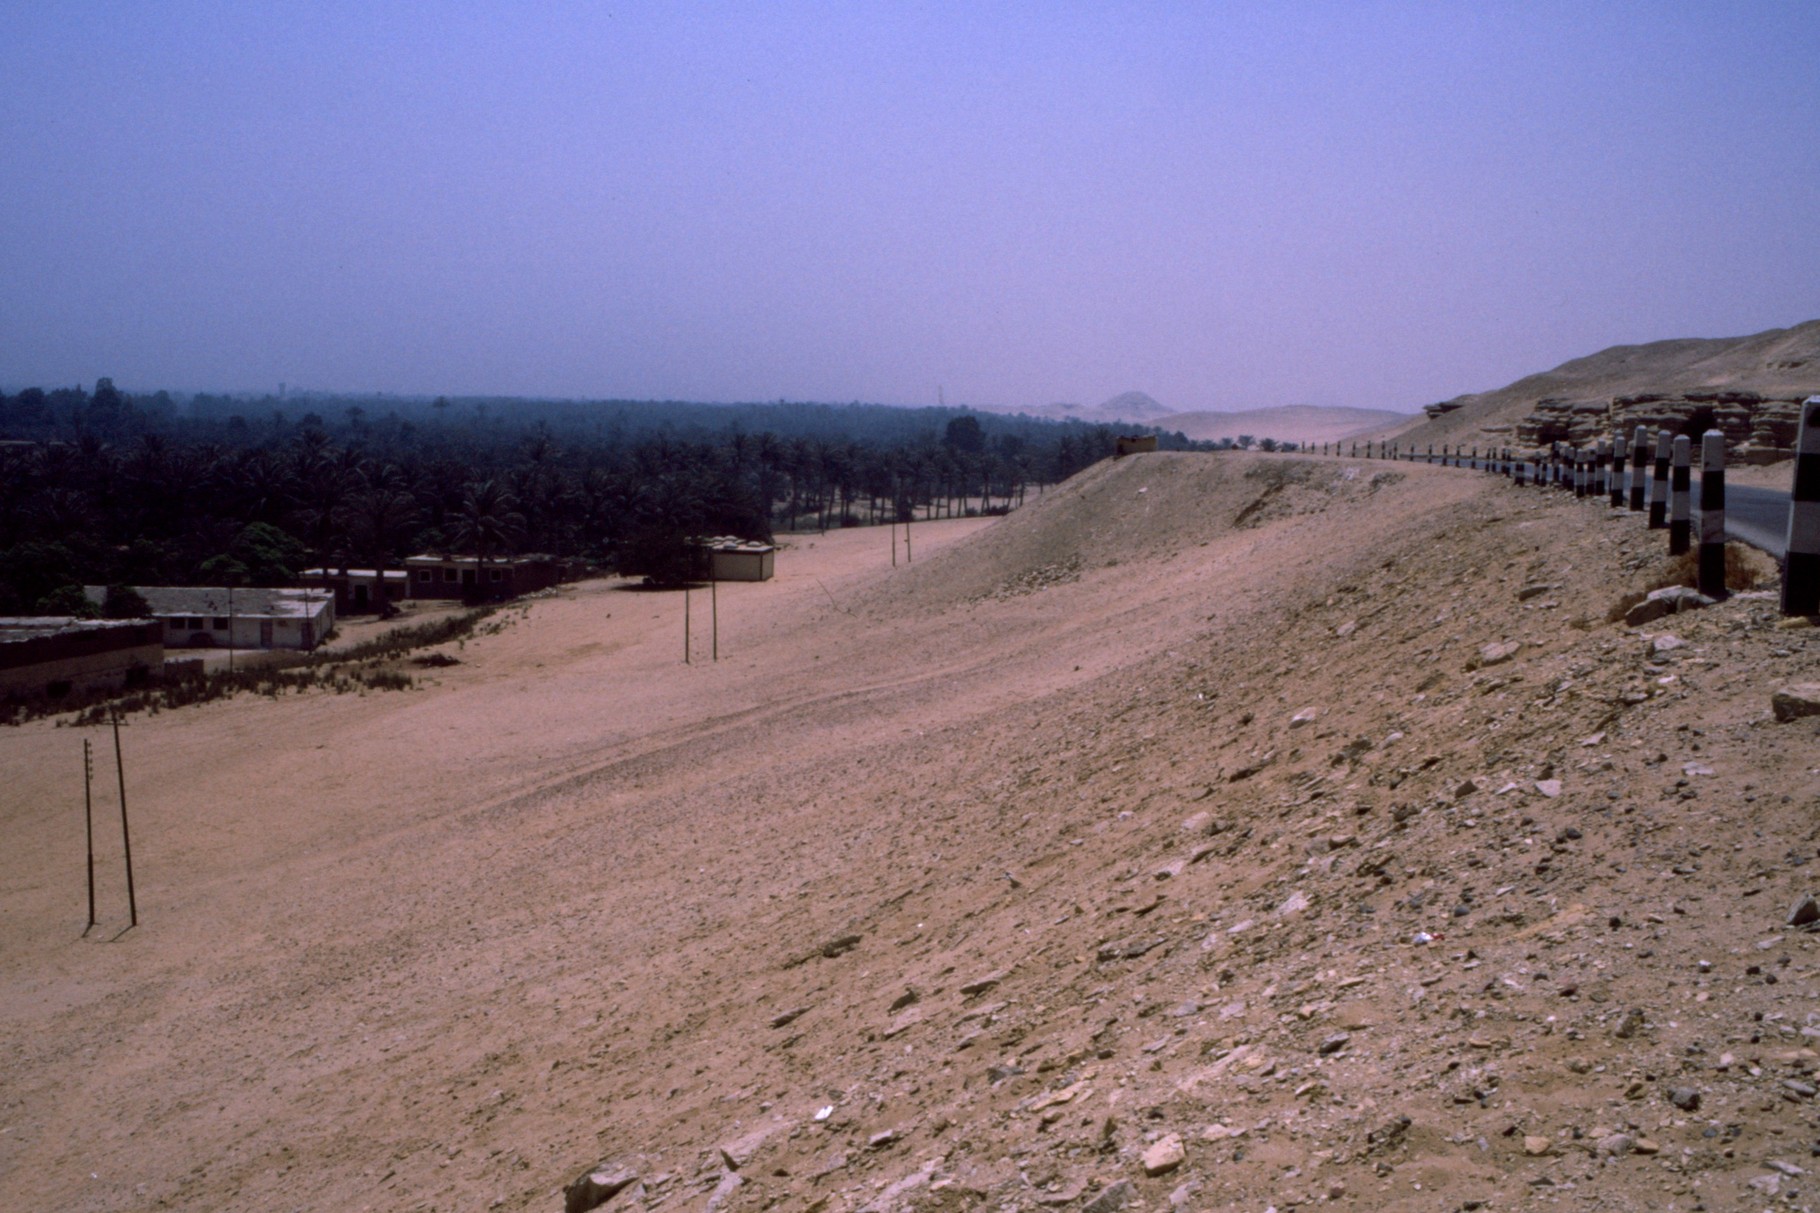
(126, 837)
(88, 820)
(686, 625)
(714, 613)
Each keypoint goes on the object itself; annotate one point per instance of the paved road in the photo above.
(1759, 517)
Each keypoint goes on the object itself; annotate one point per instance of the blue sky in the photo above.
(1224, 205)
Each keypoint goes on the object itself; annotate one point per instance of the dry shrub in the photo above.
(1745, 569)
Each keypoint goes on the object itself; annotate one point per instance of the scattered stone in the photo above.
(788, 1017)
(729, 1183)
(997, 1074)
(1616, 1145)
(1534, 589)
(1803, 1089)
(1333, 1044)
(737, 1153)
(979, 985)
(1305, 716)
(1113, 1198)
(1685, 1098)
(1550, 788)
(1499, 652)
(1787, 1168)
(1164, 1156)
(880, 1140)
(1465, 788)
(840, 945)
(1129, 949)
(1665, 644)
(1796, 700)
(1804, 911)
(1537, 1146)
(1669, 600)
(1629, 1025)
(596, 1187)
(904, 1022)
(1295, 903)
(1647, 1145)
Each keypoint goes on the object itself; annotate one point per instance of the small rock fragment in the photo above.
(1796, 700)
(788, 1017)
(1804, 911)
(1164, 1156)
(1536, 1146)
(1499, 652)
(1113, 1198)
(596, 1187)
(1685, 1098)
(1550, 788)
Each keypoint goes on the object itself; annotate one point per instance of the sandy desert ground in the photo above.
(1214, 832)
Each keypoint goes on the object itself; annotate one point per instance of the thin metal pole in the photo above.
(908, 558)
(88, 821)
(686, 592)
(126, 837)
(714, 613)
(230, 590)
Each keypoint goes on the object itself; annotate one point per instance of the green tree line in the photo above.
(105, 488)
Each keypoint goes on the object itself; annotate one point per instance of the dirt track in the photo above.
(447, 947)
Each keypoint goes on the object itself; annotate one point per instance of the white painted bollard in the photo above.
(1658, 489)
(1582, 471)
(1801, 563)
(1712, 514)
(1639, 456)
(1616, 484)
(1680, 498)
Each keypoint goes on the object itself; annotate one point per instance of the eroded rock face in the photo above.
(1757, 429)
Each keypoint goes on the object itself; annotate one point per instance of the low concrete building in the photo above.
(53, 655)
(465, 577)
(360, 590)
(217, 617)
(734, 559)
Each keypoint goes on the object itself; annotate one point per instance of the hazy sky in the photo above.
(1225, 205)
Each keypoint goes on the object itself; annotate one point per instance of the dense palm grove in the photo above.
(104, 488)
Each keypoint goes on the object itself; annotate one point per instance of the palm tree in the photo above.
(487, 520)
(381, 515)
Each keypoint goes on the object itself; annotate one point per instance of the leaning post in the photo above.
(1712, 514)
(88, 819)
(126, 837)
(1680, 498)
(1801, 561)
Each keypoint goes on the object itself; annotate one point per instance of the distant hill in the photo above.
(1291, 423)
(1288, 423)
(1779, 364)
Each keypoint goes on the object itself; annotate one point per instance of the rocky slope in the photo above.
(1215, 832)
(1748, 387)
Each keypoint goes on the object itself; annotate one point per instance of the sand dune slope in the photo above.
(965, 884)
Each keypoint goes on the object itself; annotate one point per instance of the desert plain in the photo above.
(1216, 831)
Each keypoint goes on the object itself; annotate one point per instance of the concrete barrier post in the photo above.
(1801, 564)
(1658, 488)
(1680, 498)
(1639, 454)
(1579, 471)
(1712, 514)
(1617, 473)
(1517, 469)
(1601, 468)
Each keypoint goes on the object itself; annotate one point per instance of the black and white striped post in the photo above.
(1617, 472)
(1658, 487)
(1801, 566)
(1712, 514)
(1518, 467)
(1580, 471)
(1639, 456)
(1680, 498)
(1601, 468)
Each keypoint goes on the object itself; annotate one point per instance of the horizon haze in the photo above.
(1003, 206)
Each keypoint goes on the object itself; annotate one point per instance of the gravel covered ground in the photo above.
(1217, 832)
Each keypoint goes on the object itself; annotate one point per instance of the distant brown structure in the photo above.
(53, 655)
(360, 590)
(463, 577)
(734, 559)
(1133, 444)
